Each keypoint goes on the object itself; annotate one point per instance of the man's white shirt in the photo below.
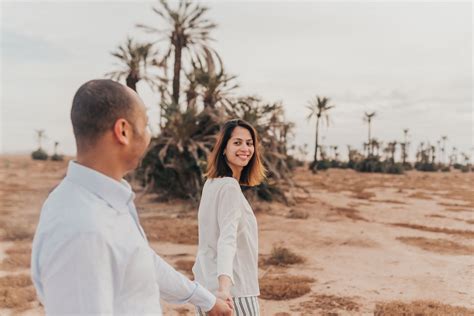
(91, 256)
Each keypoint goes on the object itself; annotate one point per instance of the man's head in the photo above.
(110, 119)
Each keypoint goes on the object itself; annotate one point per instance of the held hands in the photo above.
(221, 308)
(226, 297)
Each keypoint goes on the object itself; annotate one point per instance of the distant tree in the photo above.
(368, 118)
(318, 107)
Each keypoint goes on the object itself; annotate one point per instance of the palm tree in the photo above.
(404, 146)
(210, 78)
(443, 149)
(391, 148)
(186, 29)
(368, 118)
(136, 59)
(40, 134)
(318, 107)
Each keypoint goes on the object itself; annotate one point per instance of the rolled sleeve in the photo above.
(229, 214)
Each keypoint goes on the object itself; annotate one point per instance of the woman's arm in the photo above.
(229, 214)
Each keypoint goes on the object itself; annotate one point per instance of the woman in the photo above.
(227, 257)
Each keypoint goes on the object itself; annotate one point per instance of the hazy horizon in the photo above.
(410, 62)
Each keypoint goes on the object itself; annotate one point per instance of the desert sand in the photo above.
(366, 241)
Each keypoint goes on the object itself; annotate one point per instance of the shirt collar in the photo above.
(117, 193)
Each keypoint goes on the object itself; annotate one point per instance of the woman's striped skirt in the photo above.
(243, 306)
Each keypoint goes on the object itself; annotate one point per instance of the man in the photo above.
(90, 254)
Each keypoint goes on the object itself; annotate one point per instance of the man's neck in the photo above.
(104, 166)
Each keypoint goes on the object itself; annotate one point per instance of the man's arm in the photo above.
(177, 289)
(78, 277)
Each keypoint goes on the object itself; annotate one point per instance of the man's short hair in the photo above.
(96, 106)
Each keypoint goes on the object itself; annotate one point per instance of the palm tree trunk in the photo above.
(132, 82)
(177, 72)
(316, 145)
(370, 149)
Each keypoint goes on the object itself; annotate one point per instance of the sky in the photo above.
(411, 62)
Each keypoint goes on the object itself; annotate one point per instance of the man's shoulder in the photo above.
(70, 206)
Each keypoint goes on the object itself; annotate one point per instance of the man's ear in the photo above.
(122, 131)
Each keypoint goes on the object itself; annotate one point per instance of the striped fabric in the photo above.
(243, 306)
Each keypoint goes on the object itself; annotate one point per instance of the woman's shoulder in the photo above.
(221, 182)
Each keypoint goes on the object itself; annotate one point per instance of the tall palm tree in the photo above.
(368, 118)
(404, 146)
(40, 134)
(443, 149)
(186, 29)
(318, 107)
(136, 59)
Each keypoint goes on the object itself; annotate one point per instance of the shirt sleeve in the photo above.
(229, 213)
(175, 288)
(78, 277)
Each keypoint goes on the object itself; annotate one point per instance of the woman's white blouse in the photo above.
(228, 238)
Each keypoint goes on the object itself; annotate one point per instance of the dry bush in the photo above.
(442, 246)
(174, 230)
(327, 303)
(185, 266)
(420, 308)
(297, 214)
(16, 292)
(465, 233)
(284, 287)
(281, 256)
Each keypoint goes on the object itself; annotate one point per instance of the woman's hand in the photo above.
(226, 297)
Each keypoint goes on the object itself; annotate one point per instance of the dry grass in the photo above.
(174, 230)
(297, 214)
(363, 195)
(420, 308)
(281, 256)
(388, 201)
(442, 246)
(19, 257)
(16, 292)
(185, 265)
(420, 196)
(349, 213)
(284, 287)
(328, 304)
(456, 209)
(12, 232)
(464, 233)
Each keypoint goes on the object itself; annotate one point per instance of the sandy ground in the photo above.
(367, 238)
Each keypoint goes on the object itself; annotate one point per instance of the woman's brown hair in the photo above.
(253, 173)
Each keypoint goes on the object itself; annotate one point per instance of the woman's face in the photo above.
(239, 149)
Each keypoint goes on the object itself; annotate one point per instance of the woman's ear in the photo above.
(122, 131)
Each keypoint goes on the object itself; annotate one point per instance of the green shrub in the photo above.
(39, 154)
(57, 157)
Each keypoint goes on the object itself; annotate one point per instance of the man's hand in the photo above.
(221, 308)
(226, 297)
